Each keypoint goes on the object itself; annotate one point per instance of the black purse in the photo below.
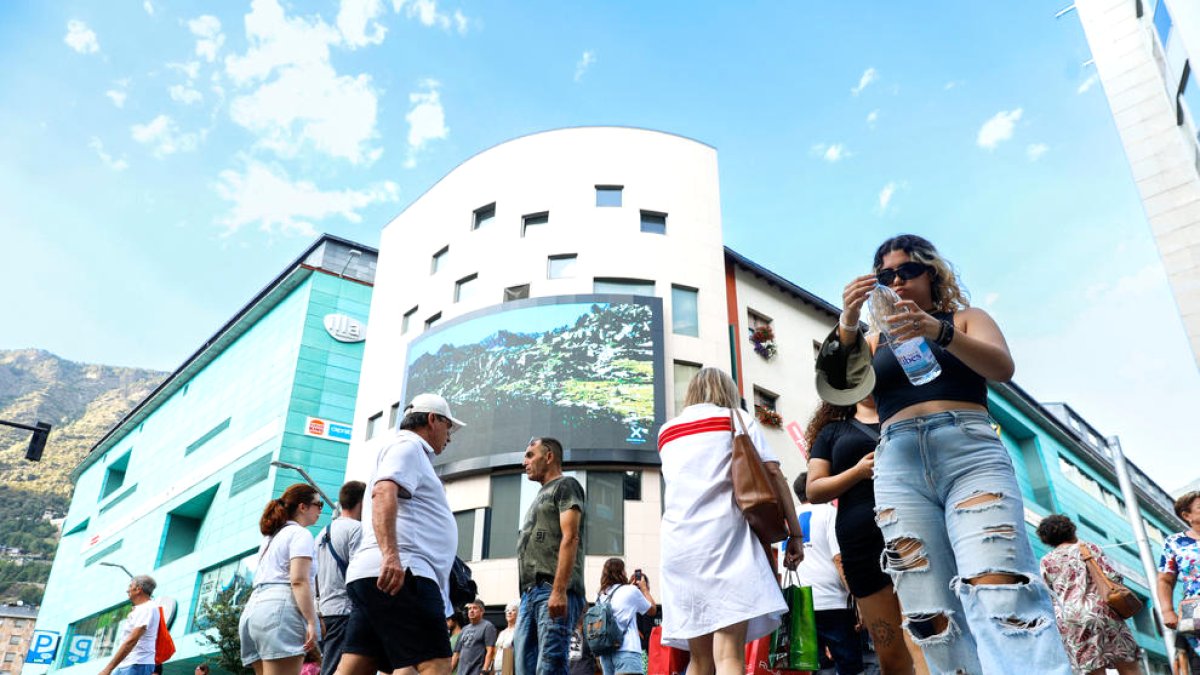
(463, 588)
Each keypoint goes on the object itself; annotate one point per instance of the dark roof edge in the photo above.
(784, 284)
(296, 264)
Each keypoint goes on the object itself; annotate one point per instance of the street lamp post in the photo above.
(37, 443)
(118, 566)
(337, 508)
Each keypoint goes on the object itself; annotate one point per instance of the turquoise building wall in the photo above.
(1055, 477)
(199, 466)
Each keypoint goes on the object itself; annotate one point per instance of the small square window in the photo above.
(756, 320)
(765, 399)
(407, 318)
(533, 220)
(623, 286)
(654, 223)
(608, 195)
(439, 260)
(561, 266)
(683, 373)
(516, 292)
(432, 321)
(372, 424)
(393, 414)
(483, 216)
(465, 287)
(685, 311)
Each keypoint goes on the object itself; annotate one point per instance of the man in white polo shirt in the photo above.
(398, 579)
(138, 632)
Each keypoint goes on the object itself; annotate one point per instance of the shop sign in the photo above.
(331, 431)
(345, 328)
(43, 646)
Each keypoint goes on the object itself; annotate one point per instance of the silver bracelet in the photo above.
(845, 327)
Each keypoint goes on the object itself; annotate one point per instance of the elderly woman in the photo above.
(504, 641)
(719, 588)
(1095, 637)
(1180, 561)
(279, 623)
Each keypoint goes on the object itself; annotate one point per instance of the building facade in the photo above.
(1146, 53)
(176, 489)
(16, 627)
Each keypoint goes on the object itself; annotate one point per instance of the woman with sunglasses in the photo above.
(279, 623)
(946, 497)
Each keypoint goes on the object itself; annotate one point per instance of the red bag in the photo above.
(665, 660)
(757, 659)
(164, 646)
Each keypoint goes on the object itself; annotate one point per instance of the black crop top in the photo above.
(843, 444)
(893, 392)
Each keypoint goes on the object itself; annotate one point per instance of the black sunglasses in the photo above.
(319, 504)
(906, 271)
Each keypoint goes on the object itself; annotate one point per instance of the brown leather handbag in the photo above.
(753, 489)
(1120, 600)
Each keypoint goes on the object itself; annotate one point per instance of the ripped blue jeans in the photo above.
(948, 504)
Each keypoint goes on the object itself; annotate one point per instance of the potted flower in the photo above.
(767, 416)
(763, 339)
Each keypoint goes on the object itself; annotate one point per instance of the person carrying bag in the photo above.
(1120, 600)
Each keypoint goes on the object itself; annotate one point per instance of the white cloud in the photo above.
(426, 120)
(952, 84)
(869, 75)
(885, 196)
(114, 164)
(191, 69)
(832, 152)
(1035, 151)
(1088, 83)
(427, 12)
(81, 38)
(184, 94)
(265, 196)
(209, 39)
(998, 129)
(461, 24)
(585, 62)
(117, 96)
(146, 5)
(353, 19)
(163, 134)
(307, 102)
(872, 118)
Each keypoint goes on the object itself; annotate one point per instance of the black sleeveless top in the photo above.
(893, 392)
(843, 444)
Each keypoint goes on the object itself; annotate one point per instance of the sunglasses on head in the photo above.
(906, 271)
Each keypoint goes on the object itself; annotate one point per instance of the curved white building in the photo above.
(536, 222)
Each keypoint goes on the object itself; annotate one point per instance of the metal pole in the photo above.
(337, 508)
(1134, 514)
(120, 567)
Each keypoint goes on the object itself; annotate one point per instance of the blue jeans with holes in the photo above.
(542, 644)
(948, 504)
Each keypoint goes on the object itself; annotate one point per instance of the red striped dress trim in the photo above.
(706, 425)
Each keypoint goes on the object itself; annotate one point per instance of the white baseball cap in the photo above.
(432, 403)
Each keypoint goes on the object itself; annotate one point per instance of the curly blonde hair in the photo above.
(949, 294)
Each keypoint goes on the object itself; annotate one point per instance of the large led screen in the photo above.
(586, 370)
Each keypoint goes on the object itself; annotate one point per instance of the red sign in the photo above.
(797, 433)
(316, 427)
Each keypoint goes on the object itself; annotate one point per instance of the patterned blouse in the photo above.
(1094, 636)
(1181, 557)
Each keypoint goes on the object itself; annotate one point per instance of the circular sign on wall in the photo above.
(345, 328)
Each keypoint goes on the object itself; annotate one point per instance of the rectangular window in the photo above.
(393, 413)
(232, 576)
(685, 311)
(483, 216)
(516, 292)
(1190, 94)
(465, 287)
(114, 476)
(182, 529)
(251, 474)
(608, 195)
(684, 372)
(766, 399)
(372, 423)
(439, 260)
(432, 321)
(605, 532)
(208, 436)
(561, 266)
(504, 516)
(633, 486)
(756, 320)
(623, 286)
(1162, 23)
(465, 520)
(1084, 520)
(534, 220)
(654, 222)
(406, 320)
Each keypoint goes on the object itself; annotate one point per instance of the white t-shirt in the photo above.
(275, 555)
(820, 546)
(145, 614)
(426, 534)
(627, 602)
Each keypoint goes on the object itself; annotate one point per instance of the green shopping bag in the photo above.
(794, 644)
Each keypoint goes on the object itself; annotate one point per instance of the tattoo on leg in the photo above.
(882, 632)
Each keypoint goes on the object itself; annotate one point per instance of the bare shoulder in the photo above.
(971, 314)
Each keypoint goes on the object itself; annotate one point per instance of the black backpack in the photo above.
(463, 588)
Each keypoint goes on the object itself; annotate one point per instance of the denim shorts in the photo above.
(950, 509)
(135, 669)
(271, 626)
(620, 662)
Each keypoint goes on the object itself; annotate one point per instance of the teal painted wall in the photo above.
(1047, 489)
(282, 369)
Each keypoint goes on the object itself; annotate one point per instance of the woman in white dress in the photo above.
(719, 589)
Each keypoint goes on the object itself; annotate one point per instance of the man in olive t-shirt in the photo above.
(550, 564)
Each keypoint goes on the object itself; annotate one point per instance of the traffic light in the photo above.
(38, 442)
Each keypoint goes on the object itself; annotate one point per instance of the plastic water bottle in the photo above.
(914, 355)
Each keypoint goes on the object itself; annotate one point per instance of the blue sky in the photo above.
(163, 160)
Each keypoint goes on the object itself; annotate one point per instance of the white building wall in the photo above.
(1141, 78)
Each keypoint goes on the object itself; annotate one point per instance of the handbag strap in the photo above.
(1103, 584)
(732, 427)
(861, 426)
